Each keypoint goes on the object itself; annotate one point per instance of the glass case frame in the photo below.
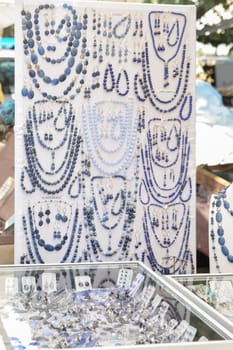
(213, 293)
(105, 276)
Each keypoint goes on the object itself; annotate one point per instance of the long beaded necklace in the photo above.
(35, 244)
(104, 202)
(39, 177)
(53, 136)
(163, 194)
(109, 202)
(117, 154)
(166, 49)
(72, 34)
(217, 231)
(165, 140)
(165, 222)
(180, 90)
(171, 265)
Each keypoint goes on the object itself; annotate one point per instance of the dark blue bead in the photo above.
(24, 91)
(31, 43)
(47, 79)
(226, 205)
(230, 258)
(79, 68)
(221, 240)
(41, 242)
(225, 250)
(49, 247)
(40, 73)
(71, 62)
(220, 231)
(219, 217)
(41, 50)
(30, 94)
(73, 51)
(32, 73)
(55, 82)
(34, 58)
(67, 71)
(62, 78)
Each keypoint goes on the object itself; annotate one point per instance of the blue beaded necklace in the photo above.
(220, 203)
(117, 153)
(164, 194)
(55, 180)
(73, 38)
(188, 100)
(164, 222)
(35, 244)
(104, 205)
(166, 141)
(106, 199)
(180, 90)
(171, 266)
(124, 22)
(167, 54)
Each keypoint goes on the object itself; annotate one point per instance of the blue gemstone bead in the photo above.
(220, 231)
(55, 82)
(221, 240)
(31, 43)
(79, 68)
(47, 79)
(24, 92)
(49, 247)
(71, 62)
(40, 73)
(41, 50)
(225, 250)
(30, 94)
(67, 71)
(34, 58)
(230, 258)
(226, 205)
(219, 217)
(41, 242)
(62, 77)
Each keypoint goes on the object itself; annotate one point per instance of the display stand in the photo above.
(220, 231)
(105, 135)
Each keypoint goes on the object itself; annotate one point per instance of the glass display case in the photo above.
(100, 305)
(212, 292)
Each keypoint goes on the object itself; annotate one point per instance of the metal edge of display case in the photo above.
(201, 304)
(169, 284)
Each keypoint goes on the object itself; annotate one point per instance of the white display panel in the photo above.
(105, 134)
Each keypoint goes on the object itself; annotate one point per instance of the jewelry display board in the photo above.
(212, 292)
(220, 231)
(100, 305)
(105, 134)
